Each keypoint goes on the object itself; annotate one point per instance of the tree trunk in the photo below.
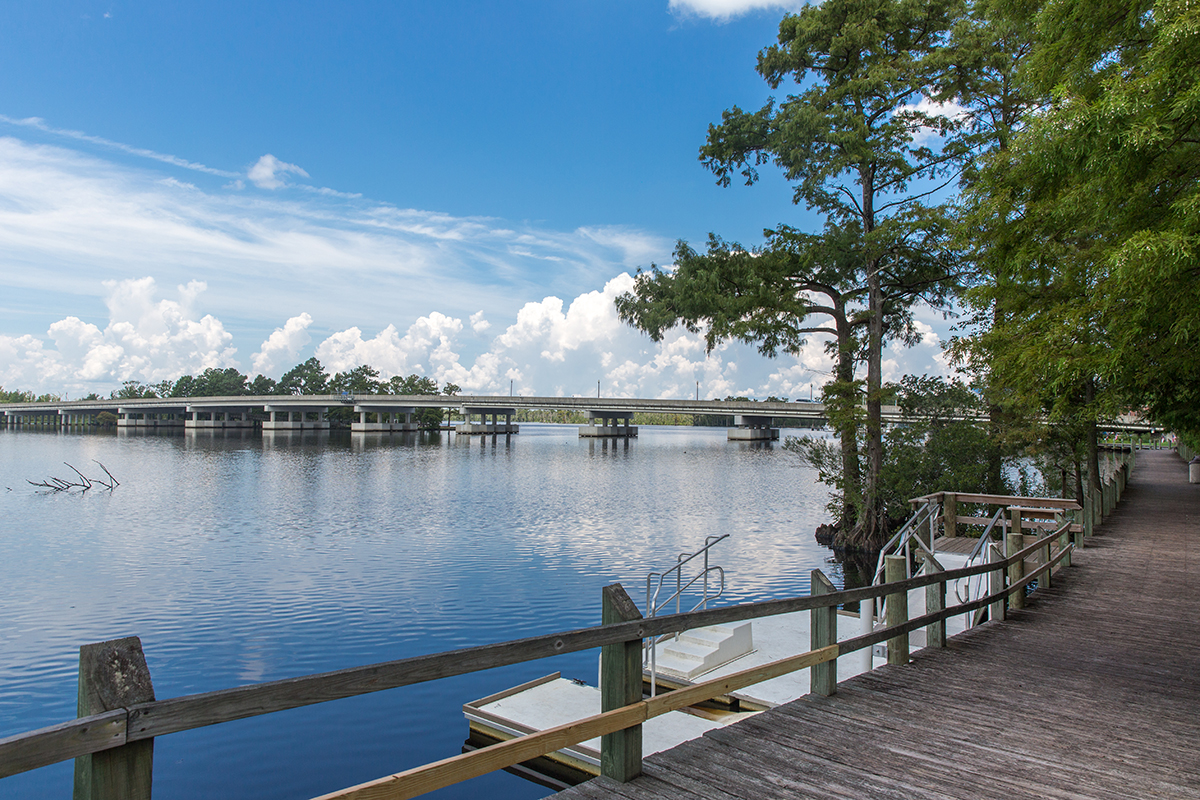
(848, 430)
(874, 522)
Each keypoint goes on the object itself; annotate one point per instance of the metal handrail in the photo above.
(653, 606)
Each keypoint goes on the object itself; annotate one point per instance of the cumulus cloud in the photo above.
(724, 10)
(146, 339)
(426, 348)
(282, 347)
(478, 323)
(268, 172)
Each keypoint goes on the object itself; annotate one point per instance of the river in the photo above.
(242, 557)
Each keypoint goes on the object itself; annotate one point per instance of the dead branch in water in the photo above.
(56, 484)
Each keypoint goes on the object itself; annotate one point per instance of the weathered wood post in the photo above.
(114, 675)
(935, 600)
(822, 678)
(620, 685)
(1045, 578)
(1065, 539)
(996, 582)
(1016, 570)
(950, 514)
(894, 571)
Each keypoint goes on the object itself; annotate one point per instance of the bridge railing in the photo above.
(119, 719)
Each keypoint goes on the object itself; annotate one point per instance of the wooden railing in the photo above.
(119, 718)
(1096, 505)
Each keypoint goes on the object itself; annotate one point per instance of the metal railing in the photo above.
(654, 605)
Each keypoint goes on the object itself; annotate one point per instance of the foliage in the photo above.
(934, 449)
(14, 396)
(307, 378)
(212, 382)
(1090, 220)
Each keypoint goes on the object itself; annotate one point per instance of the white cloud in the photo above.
(478, 323)
(724, 10)
(37, 123)
(267, 172)
(68, 221)
(146, 339)
(948, 110)
(67, 218)
(282, 347)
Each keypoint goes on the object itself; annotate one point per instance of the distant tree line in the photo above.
(308, 378)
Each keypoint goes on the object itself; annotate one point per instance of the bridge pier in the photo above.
(613, 424)
(143, 418)
(291, 418)
(387, 418)
(751, 428)
(202, 417)
(483, 426)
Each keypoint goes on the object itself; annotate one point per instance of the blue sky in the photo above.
(454, 189)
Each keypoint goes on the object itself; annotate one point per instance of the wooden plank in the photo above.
(448, 771)
(62, 742)
(937, 727)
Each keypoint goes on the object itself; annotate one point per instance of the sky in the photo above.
(453, 189)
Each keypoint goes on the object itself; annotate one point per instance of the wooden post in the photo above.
(620, 685)
(1064, 540)
(950, 514)
(1016, 570)
(822, 678)
(935, 600)
(996, 582)
(895, 570)
(114, 675)
(1044, 579)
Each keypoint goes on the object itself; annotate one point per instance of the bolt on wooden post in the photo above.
(620, 685)
(895, 569)
(114, 675)
(822, 678)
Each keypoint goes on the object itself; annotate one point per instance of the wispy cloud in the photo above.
(724, 10)
(37, 123)
(283, 274)
(268, 172)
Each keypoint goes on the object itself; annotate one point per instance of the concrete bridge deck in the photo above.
(1092, 691)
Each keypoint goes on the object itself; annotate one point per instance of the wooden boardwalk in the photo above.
(1093, 691)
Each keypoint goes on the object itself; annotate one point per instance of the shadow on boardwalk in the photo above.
(1093, 691)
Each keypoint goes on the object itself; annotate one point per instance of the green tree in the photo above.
(307, 378)
(1093, 213)
(848, 141)
(363, 379)
(261, 386)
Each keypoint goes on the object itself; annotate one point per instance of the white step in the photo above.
(699, 651)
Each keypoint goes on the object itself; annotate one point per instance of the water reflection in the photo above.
(241, 556)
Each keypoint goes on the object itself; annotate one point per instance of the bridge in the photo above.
(608, 417)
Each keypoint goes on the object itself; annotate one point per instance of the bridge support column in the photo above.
(752, 428)
(613, 424)
(483, 427)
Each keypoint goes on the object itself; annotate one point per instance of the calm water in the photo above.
(240, 558)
